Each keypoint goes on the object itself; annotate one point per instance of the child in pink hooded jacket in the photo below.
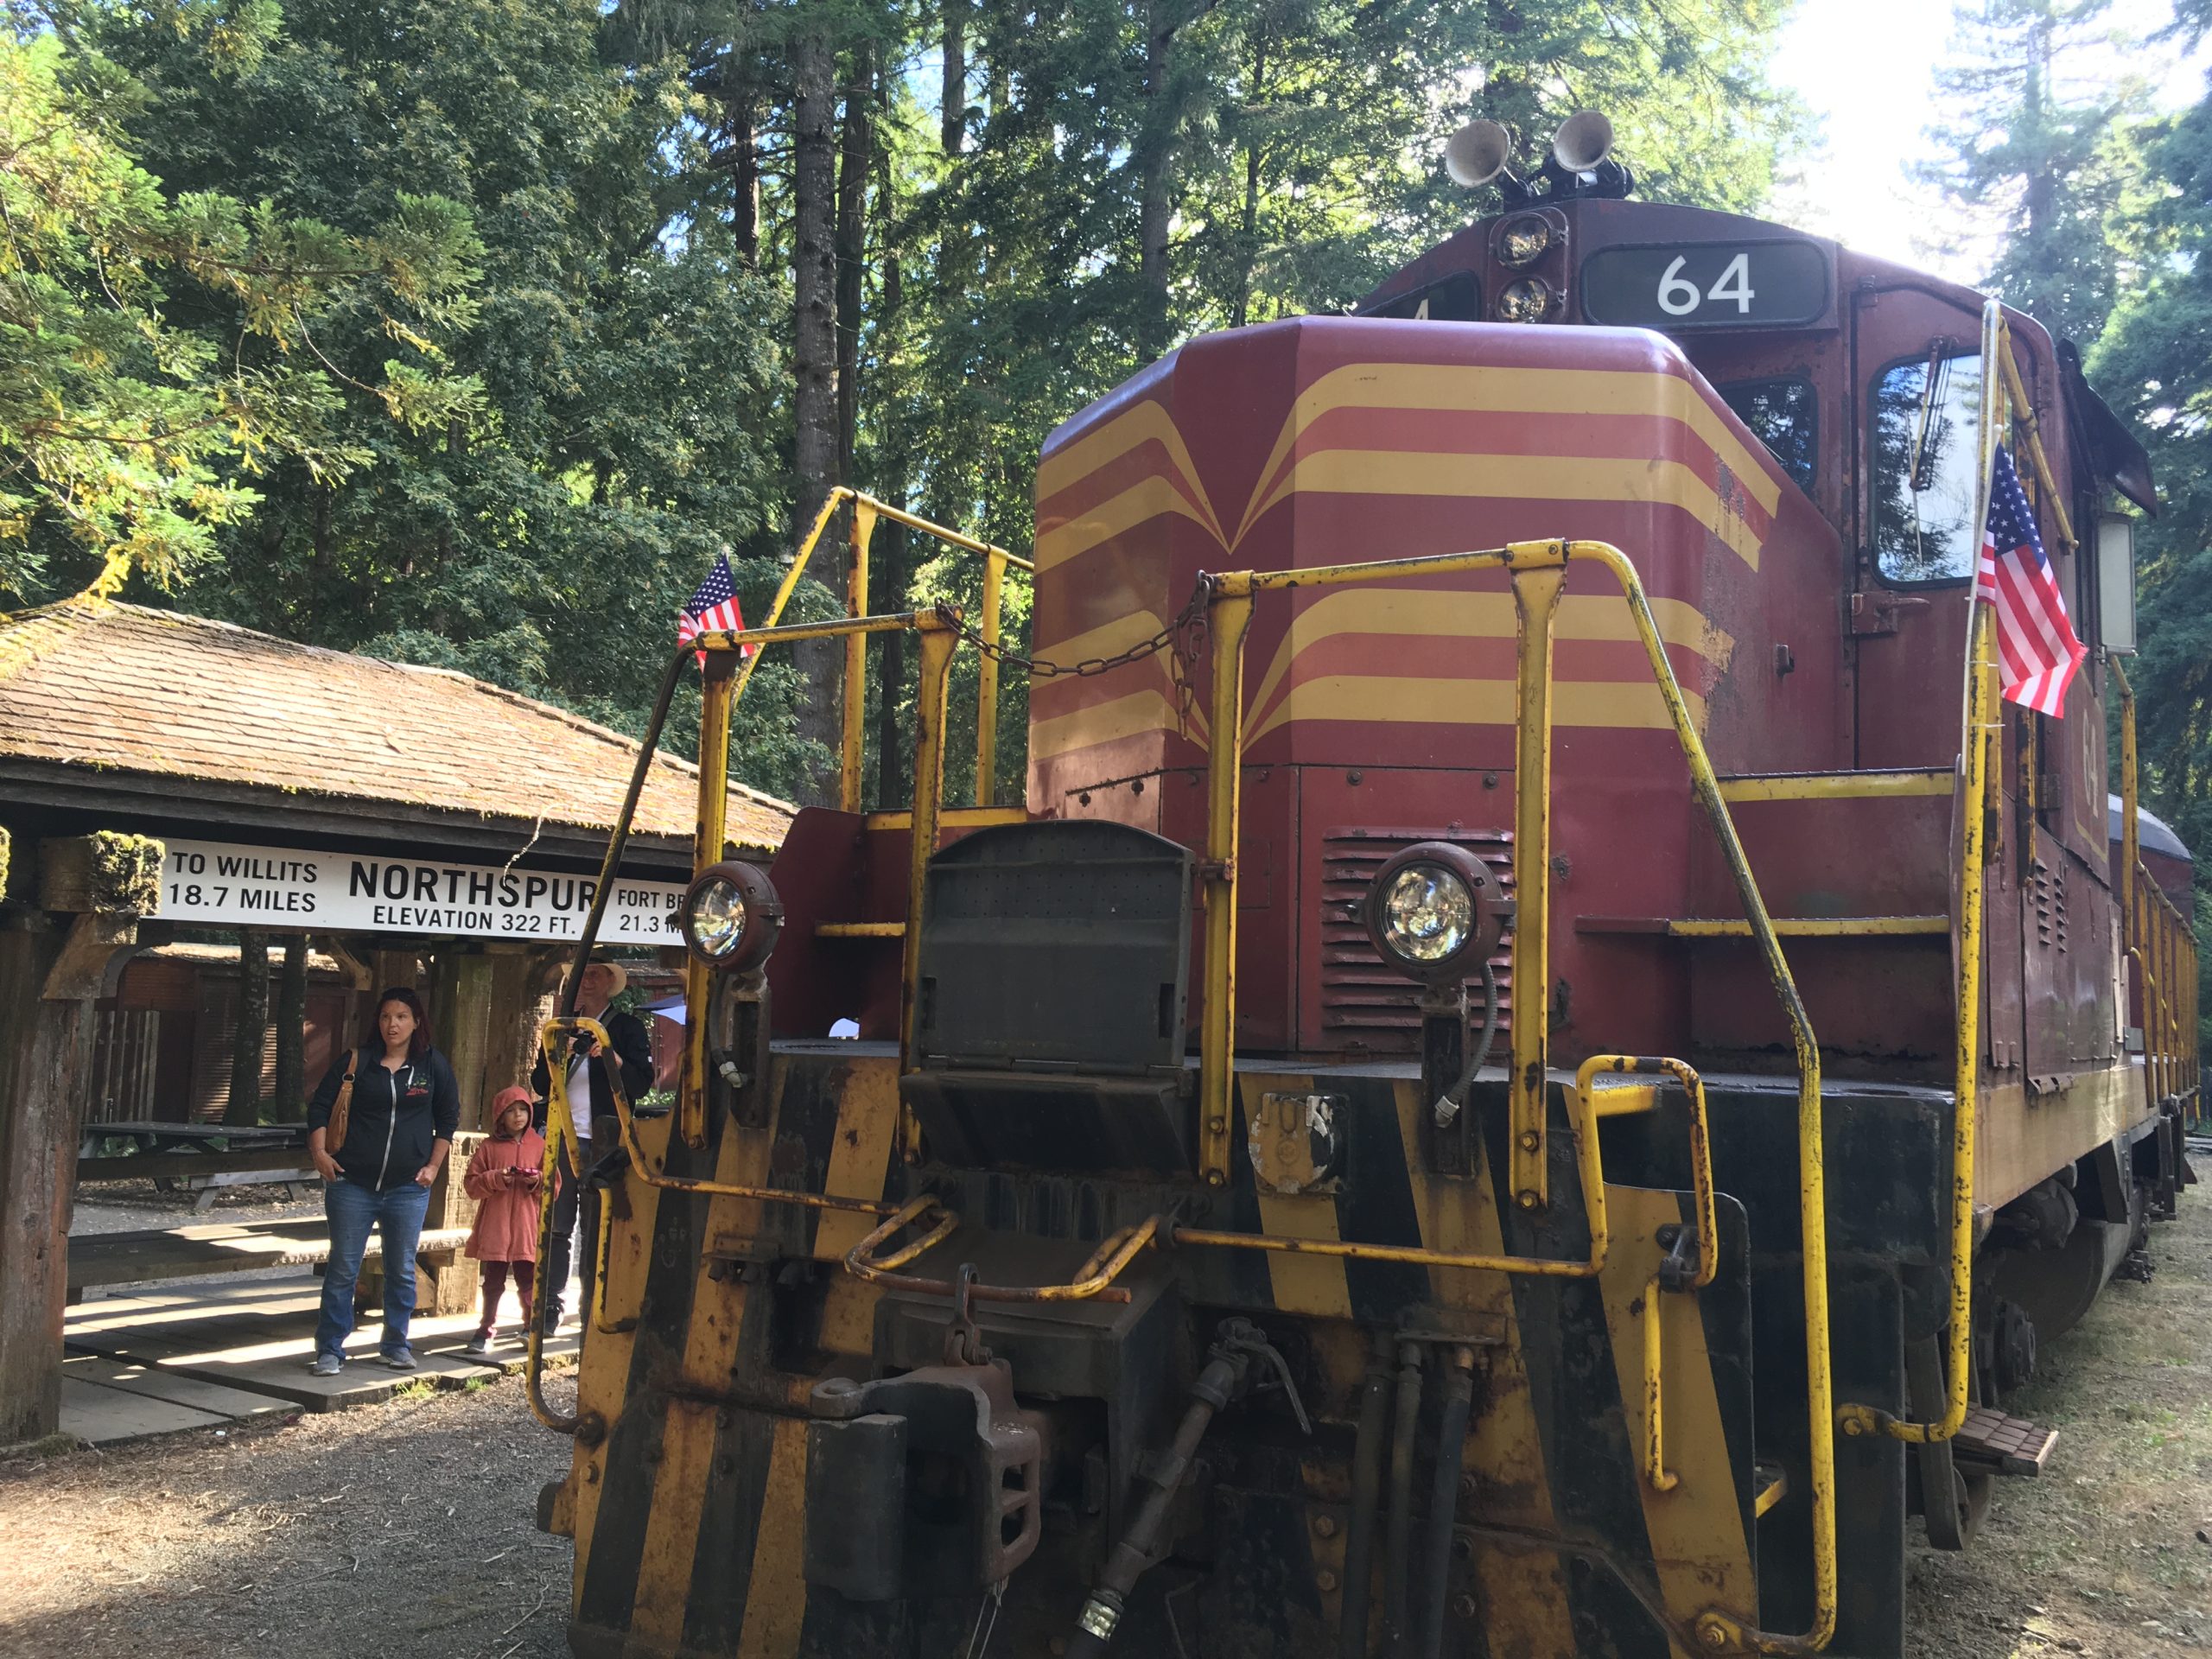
(504, 1177)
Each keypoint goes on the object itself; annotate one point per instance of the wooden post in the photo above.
(45, 1054)
(461, 1008)
(289, 1095)
(525, 978)
(250, 1036)
(53, 968)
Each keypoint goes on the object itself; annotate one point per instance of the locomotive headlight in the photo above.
(1435, 911)
(1427, 913)
(1522, 240)
(731, 916)
(1529, 300)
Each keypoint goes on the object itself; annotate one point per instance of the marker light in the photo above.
(1522, 240)
(1527, 300)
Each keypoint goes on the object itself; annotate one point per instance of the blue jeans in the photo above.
(352, 1210)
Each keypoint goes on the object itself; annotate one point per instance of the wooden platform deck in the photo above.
(198, 1355)
(159, 1253)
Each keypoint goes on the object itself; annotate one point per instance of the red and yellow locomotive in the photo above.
(1535, 1065)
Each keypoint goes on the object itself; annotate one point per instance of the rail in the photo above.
(860, 534)
(2158, 939)
(2005, 405)
(936, 630)
(1707, 1241)
(1537, 571)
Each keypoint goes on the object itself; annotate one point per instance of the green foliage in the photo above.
(126, 431)
(521, 477)
(2031, 156)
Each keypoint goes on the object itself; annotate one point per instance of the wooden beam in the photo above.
(79, 972)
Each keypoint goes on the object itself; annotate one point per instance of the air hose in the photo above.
(1227, 1373)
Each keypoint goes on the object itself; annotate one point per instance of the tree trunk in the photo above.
(952, 117)
(250, 1036)
(814, 364)
(854, 157)
(1155, 149)
(890, 583)
(292, 1032)
(814, 278)
(1249, 243)
(744, 142)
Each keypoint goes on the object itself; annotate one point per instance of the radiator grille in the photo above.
(1365, 1004)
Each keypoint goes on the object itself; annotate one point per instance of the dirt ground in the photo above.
(2109, 1553)
(407, 1530)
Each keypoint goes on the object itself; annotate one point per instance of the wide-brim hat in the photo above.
(621, 974)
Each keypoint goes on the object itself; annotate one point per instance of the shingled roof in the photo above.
(121, 690)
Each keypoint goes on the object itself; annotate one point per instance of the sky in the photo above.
(1866, 69)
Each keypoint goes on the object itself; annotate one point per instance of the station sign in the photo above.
(219, 884)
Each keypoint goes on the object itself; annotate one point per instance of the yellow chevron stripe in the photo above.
(1521, 1591)
(1477, 616)
(775, 1599)
(1450, 388)
(1059, 541)
(1145, 422)
(664, 1566)
(1646, 482)
(1127, 716)
(1630, 705)
(603, 1369)
(868, 1120)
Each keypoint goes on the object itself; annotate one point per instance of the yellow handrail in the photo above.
(1093, 1281)
(2160, 937)
(1663, 1480)
(867, 510)
(1982, 723)
(1536, 569)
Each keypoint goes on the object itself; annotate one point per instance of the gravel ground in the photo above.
(409, 1527)
(407, 1530)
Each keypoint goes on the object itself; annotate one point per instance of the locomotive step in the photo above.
(1999, 1445)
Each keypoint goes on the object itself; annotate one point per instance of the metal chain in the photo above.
(1183, 638)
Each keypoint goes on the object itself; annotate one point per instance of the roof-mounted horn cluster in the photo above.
(1581, 162)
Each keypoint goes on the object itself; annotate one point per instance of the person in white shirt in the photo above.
(591, 1109)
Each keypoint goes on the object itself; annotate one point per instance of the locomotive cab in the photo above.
(1535, 1061)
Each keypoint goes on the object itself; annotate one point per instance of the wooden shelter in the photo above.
(169, 779)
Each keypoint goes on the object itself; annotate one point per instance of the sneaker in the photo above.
(479, 1345)
(326, 1365)
(399, 1359)
(552, 1326)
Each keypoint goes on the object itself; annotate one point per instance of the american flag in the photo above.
(712, 608)
(2036, 649)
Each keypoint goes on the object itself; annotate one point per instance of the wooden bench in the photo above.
(162, 1253)
(204, 1174)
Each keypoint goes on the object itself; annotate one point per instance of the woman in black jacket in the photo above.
(400, 1126)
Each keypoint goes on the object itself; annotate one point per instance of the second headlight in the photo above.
(731, 916)
(1436, 911)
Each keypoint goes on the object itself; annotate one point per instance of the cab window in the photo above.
(1780, 414)
(1926, 467)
